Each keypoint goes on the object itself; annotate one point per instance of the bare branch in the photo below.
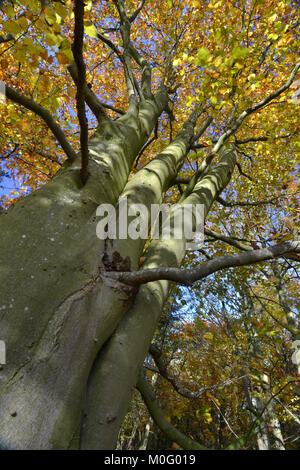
(242, 173)
(162, 366)
(111, 45)
(226, 239)
(112, 108)
(189, 276)
(246, 204)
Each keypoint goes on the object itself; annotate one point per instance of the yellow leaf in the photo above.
(23, 22)
(12, 27)
(50, 16)
(61, 10)
(272, 18)
(20, 55)
(45, 82)
(90, 30)
(287, 237)
(52, 40)
(208, 336)
(62, 58)
(9, 11)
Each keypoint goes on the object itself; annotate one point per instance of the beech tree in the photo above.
(172, 103)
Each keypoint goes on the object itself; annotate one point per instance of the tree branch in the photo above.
(245, 204)
(189, 276)
(226, 239)
(158, 417)
(6, 38)
(45, 115)
(246, 141)
(112, 108)
(91, 99)
(77, 47)
(147, 145)
(237, 123)
(133, 17)
(166, 374)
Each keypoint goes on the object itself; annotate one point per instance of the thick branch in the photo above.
(249, 139)
(147, 145)
(146, 70)
(192, 181)
(192, 275)
(188, 180)
(111, 45)
(45, 115)
(131, 83)
(158, 417)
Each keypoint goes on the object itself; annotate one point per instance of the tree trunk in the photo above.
(130, 342)
(57, 311)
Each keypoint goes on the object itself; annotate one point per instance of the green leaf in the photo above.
(90, 30)
(13, 27)
(240, 52)
(202, 56)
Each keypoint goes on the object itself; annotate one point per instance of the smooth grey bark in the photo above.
(105, 404)
(210, 267)
(144, 444)
(262, 435)
(284, 301)
(264, 403)
(55, 310)
(258, 401)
